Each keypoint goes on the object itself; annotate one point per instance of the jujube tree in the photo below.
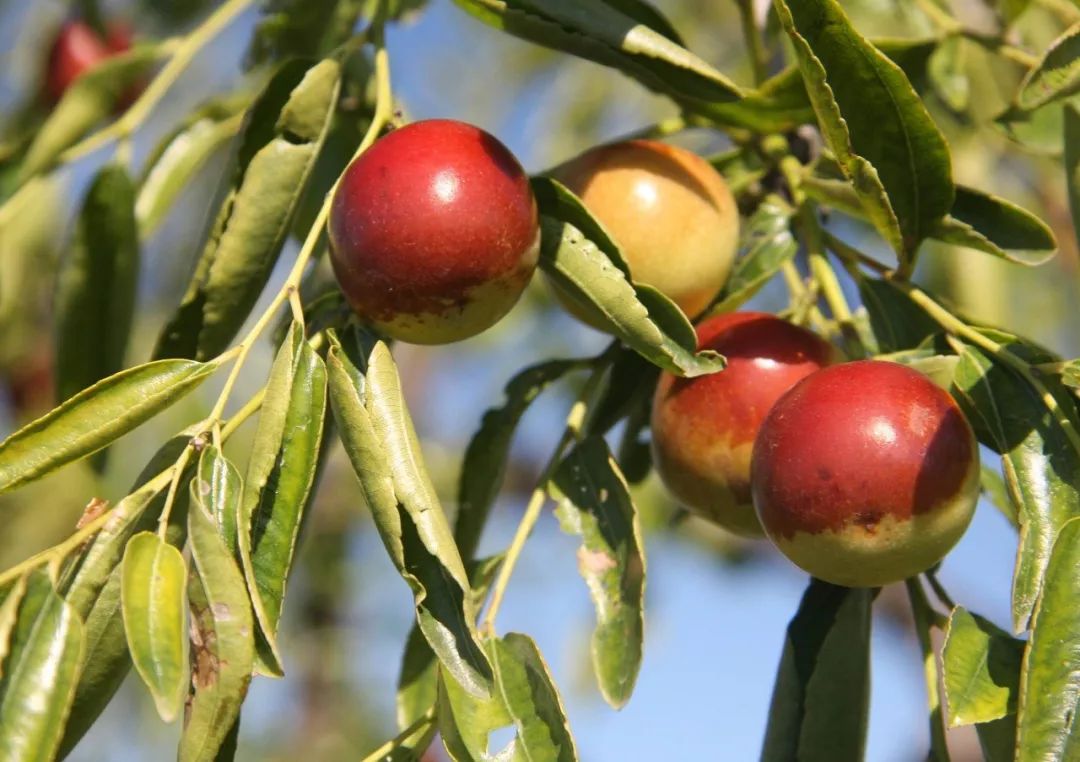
(846, 428)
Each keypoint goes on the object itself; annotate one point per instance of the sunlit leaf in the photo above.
(982, 669)
(766, 244)
(154, 604)
(995, 226)
(595, 503)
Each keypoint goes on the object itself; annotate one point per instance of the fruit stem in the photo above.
(575, 425)
(923, 614)
(384, 751)
(759, 57)
(820, 268)
(381, 117)
(939, 589)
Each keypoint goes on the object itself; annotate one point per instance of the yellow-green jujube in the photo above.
(672, 215)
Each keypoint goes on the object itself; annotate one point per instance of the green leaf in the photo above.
(220, 488)
(1055, 76)
(982, 669)
(595, 503)
(90, 100)
(995, 226)
(820, 701)
(418, 680)
(9, 609)
(1010, 10)
(643, 12)
(585, 263)
(531, 700)
(897, 322)
(153, 596)
(381, 444)
(486, 456)
(1047, 728)
(526, 700)
(93, 586)
(1041, 467)
(280, 475)
(598, 31)
(284, 134)
(183, 157)
(949, 76)
(40, 672)
(767, 243)
(96, 417)
(223, 630)
(994, 489)
(1072, 162)
(875, 124)
(95, 299)
(998, 739)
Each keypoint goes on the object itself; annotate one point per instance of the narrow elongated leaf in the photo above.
(40, 672)
(531, 700)
(526, 700)
(1072, 162)
(223, 627)
(89, 100)
(220, 489)
(154, 603)
(767, 243)
(897, 322)
(819, 703)
(595, 503)
(584, 262)
(93, 585)
(418, 682)
(875, 124)
(598, 31)
(982, 669)
(95, 298)
(381, 444)
(1041, 468)
(643, 12)
(280, 474)
(1055, 76)
(285, 131)
(8, 611)
(96, 417)
(485, 458)
(995, 226)
(949, 76)
(184, 156)
(1049, 721)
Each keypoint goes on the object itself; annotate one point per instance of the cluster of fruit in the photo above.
(862, 473)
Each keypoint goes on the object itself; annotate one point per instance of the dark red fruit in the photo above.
(865, 473)
(434, 232)
(78, 48)
(703, 428)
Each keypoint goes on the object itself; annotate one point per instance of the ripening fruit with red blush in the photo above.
(703, 428)
(672, 215)
(865, 473)
(434, 232)
(77, 48)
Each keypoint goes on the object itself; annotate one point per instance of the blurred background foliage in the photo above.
(717, 605)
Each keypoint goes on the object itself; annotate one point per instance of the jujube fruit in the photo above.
(78, 48)
(865, 473)
(671, 213)
(703, 428)
(434, 232)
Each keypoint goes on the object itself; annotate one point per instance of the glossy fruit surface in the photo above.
(703, 428)
(77, 48)
(671, 213)
(865, 473)
(434, 232)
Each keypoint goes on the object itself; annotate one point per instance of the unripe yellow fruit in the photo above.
(671, 213)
